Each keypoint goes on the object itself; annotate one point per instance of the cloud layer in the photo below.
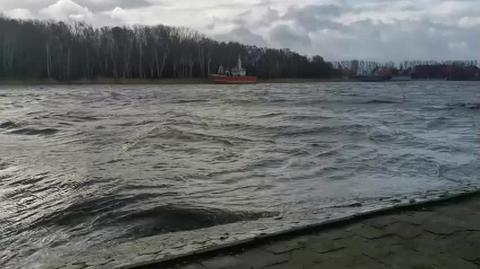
(342, 29)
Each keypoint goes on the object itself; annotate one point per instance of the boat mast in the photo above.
(239, 63)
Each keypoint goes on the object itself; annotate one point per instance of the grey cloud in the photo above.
(316, 17)
(6, 5)
(270, 16)
(211, 26)
(318, 11)
(243, 35)
(403, 40)
(97, 5)
(92, 5)
(317, 29)
(287, 37)
(373, 29)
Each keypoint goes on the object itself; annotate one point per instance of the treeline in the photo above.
(60, 51)
(364, 67)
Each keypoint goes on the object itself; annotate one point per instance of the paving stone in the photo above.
(334, 234)
(303, 258)
(324, 246)
(455, 211)
(355, 244)
(442, 226)
(279, 266)
(345, 258)
(367, 231)
(185, 265)
(466, 253)
(328, 263)
(242, 266)
(404, 229)
(365, 262)
(259, 258)
(381, 221)
(473, 204)
(193, 266)
(384, 248)
(394, 256)
(453, 262)
(463, 248)
(223, 262)
(472, 222)
(416, 217)
(416, 262)
(284, 246)
(472, 238)
(428, 244)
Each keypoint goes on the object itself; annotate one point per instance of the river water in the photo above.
(85, 167)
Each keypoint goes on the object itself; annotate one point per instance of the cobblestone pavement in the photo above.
(445, 235)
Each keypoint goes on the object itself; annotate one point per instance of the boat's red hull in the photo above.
(217, 79)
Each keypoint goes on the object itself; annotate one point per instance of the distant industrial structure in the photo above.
(373, 71)
(448, 72)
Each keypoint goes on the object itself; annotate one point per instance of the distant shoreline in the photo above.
(167, 81)
(177, 81)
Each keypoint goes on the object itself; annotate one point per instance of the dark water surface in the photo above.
(92, 166)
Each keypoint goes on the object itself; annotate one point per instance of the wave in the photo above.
(186, 101)
(334, 151)
(268, 115)
(135, 123)
(473, 106)
(452, 106)
(421, 166)
(141, 218)
(29, 180)
(78, 118)
(164, 219)
(309, 117)
(379, 101)
(159, 166)
(33, 131)
(382, 134)
(80, 210)
(9, 125)
(347, 129)
(3, 165)
(187, 135)
(437, 122)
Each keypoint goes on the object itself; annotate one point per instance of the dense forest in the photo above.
(60, 51)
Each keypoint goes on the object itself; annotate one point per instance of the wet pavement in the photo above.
(444, 235)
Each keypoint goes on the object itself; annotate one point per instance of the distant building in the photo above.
(437, 71)
(443, 71)
(464, 73)
(384, 72)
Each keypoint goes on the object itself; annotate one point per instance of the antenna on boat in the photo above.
(239, 63)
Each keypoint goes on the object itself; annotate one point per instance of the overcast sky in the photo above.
(341, 29)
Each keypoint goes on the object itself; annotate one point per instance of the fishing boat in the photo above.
(238, 75)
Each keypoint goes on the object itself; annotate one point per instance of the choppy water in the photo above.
(92, 166)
